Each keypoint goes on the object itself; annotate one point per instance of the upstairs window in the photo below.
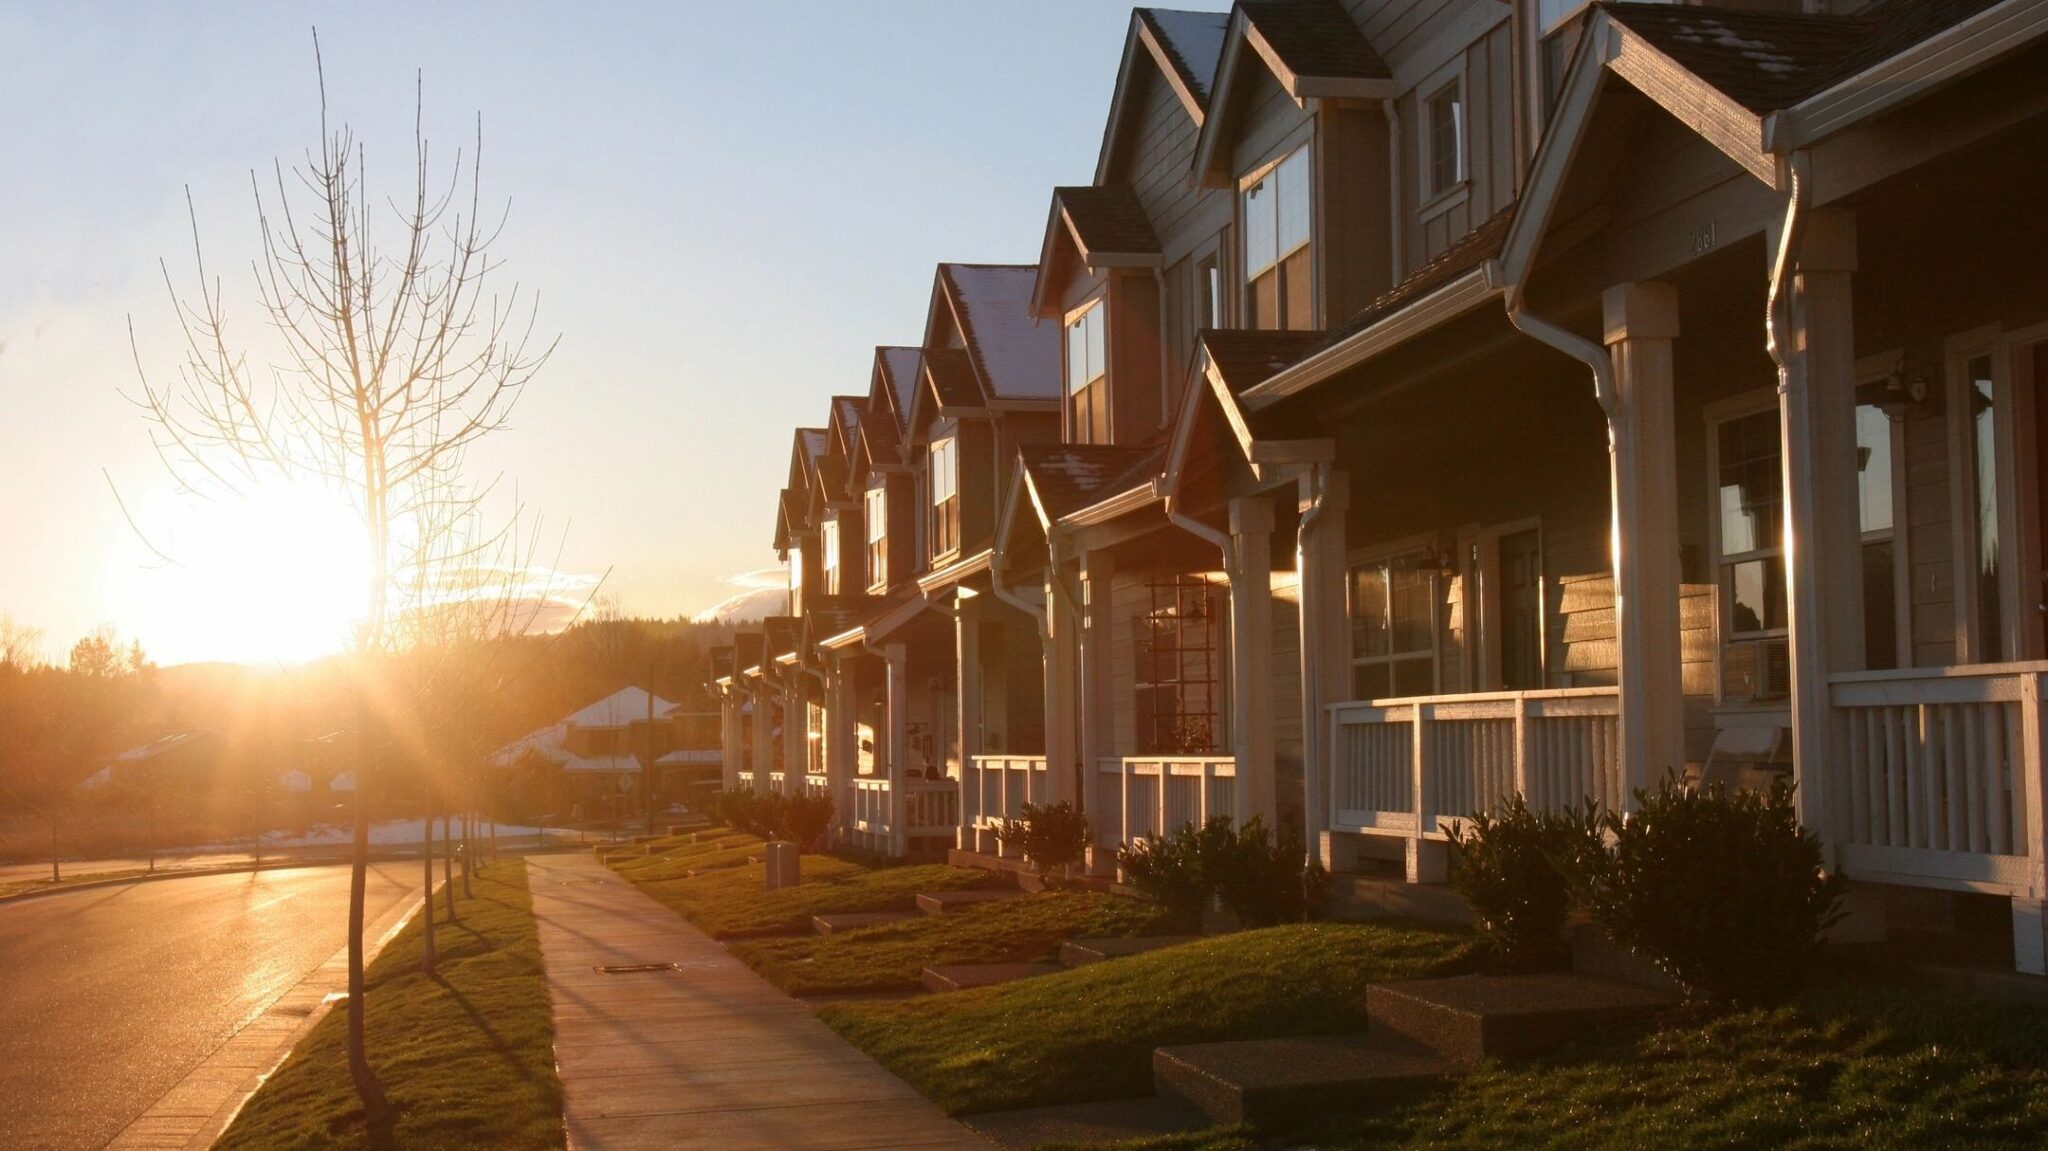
(876, 509)
(1443, 139)
(945, 487)
(828, 556)
(1087, 377)
(1276, 247)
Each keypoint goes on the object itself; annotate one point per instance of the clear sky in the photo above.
(724, 206)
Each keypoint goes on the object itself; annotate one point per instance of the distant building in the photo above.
(602, 750)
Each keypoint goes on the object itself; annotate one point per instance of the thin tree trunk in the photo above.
(427, 890)
(468, 851)
(448, 865)
(375, 1106)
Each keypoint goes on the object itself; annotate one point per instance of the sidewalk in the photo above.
(709, 1056)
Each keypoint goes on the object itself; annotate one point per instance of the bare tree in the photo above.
(21, 646)
(396, 353)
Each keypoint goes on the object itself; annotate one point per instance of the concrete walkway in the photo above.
(708, 1056)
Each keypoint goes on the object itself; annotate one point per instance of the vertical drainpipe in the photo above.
(1314, 818)
(1392, 109)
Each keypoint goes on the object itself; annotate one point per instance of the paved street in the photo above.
(110, 996)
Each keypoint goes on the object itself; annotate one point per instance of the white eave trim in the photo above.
(847, 638)
(954, 572)
(1121, 504)
(1305, 88)
(1954, 51)
(1447, 303)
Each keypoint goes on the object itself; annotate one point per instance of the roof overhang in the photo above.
(966, 566)
(1140, 38)
(1479, 286)
(1261, 455)
(1245, 47)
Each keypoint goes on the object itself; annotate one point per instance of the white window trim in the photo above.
(1237, 270)
(1433, 201)
(1876, 369)
(1074, 314)
(877, 579)
(1713, 416)
(830, 558)
(2017, 615)
(951, 440)
(1491, 619)
(1379, 553)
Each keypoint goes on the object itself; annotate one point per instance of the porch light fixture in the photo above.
(1900, 395)
(1443, 560)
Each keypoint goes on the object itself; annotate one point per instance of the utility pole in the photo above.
(647, 797)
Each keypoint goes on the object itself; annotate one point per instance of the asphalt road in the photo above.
(108, 997)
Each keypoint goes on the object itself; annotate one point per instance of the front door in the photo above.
(1521, 611)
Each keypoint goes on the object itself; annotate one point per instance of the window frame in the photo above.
(1432, 200)
(875, 510)
(1874, 370)
(1095, 312)
(1385, 555)
(1247, 274)
(828, 555)
(943, 512)
(1207, 656)
(1725, 640)
(2019, 633)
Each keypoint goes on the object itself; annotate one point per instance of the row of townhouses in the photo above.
(1431, 400)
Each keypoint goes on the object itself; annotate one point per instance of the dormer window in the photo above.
(1087, 376)
(1443, 139)
(945, 488)
(876, 509)
(1276, 248)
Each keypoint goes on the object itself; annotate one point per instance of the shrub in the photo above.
(770, 815)
(805, 819)
(1256, 879)
(735, 808)
(1518, 869)
(1052, 836)
(1722, 890)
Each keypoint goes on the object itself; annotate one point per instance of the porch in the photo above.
(915, 818)
(1142, 797)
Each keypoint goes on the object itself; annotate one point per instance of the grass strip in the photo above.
(467, 1057)
(891, 957)
(674, 862)
(1088, 1033)
(733, 903)
(1837, 1070)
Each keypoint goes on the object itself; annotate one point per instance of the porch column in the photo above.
(967, 697)
(1097, 639)
(898, 663)
(1062, 652)
(841, 750)
(764, 735)
(729, 718)
(1251, 660)
(796, 732)
(1823, 524)
(1641, 323)
(1325, 632)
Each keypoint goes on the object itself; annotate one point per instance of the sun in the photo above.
(277, 574)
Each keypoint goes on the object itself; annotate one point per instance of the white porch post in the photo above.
(1251, 660)
(841, 752)
(1062, 652)
(1823, 529)
(967, 695)
(1325, 642)
(796, 730)
(898, 662)
(729, 719)
(1097, 639)
(764, 734)
(1641, 323)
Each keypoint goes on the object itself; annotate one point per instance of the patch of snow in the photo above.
(1020, 355)
(903, 366)
(1197, 38)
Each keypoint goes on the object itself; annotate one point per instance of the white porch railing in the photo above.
(816, 783)
(930, 806)
(1407, 766)
(746, 778)
(1937, 776)
(871, 804)
(1140, 797)
(996, 787)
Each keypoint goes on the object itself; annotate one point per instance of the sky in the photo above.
(723, 207)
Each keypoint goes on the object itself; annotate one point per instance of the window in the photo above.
(1877, 448)
(1175, 693)
(945, 488)
(1088, 376)
(1276, 247)
(828, 555)
(1208, 294)
(876, 510)
(796, 578)
(1748, 530)
(814, 738)
(1976, 415)
(1393, 627)
(1443, 140)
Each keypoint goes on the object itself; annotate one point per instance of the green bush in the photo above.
(1722, 890)
(1257, 879)
(1518, 869)
(1051, 836)
(736, 809)
(804, 820)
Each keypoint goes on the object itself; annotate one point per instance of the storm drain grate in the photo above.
(635, 968)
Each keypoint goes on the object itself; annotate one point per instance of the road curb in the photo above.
(201, 872)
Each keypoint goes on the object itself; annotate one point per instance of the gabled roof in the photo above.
(1311, 48)
(778, 636)
(790, 518)
(721, 662)
(898, 369)
(1182, 47)
(1245, 357)
(1015, 357)
(625, 706)
(1065, 478)
(746, 649)
(1102, 226)
(950, 374)
(1226, 364)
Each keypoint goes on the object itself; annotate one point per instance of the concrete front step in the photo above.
(1075, 952)
(1467, 1018)
(940, 902)
(840, 921)
(1264, 1080)
(961, 976)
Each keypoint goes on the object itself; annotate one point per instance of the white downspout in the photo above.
(1313, 815)
(1392, 109)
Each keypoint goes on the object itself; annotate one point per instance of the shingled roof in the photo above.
(1193, 42)
(1247, 357)
(952, 376)
(1469, 252)
(1315, 38)
(1108, 220)
(1016, 357)
(1767, 61)
(1069, 477)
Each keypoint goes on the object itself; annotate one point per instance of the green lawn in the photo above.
(467, 1057)
(891, 957)
(732, 903)
(1089, 1033)
(670, 859)
(1841, 1070)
